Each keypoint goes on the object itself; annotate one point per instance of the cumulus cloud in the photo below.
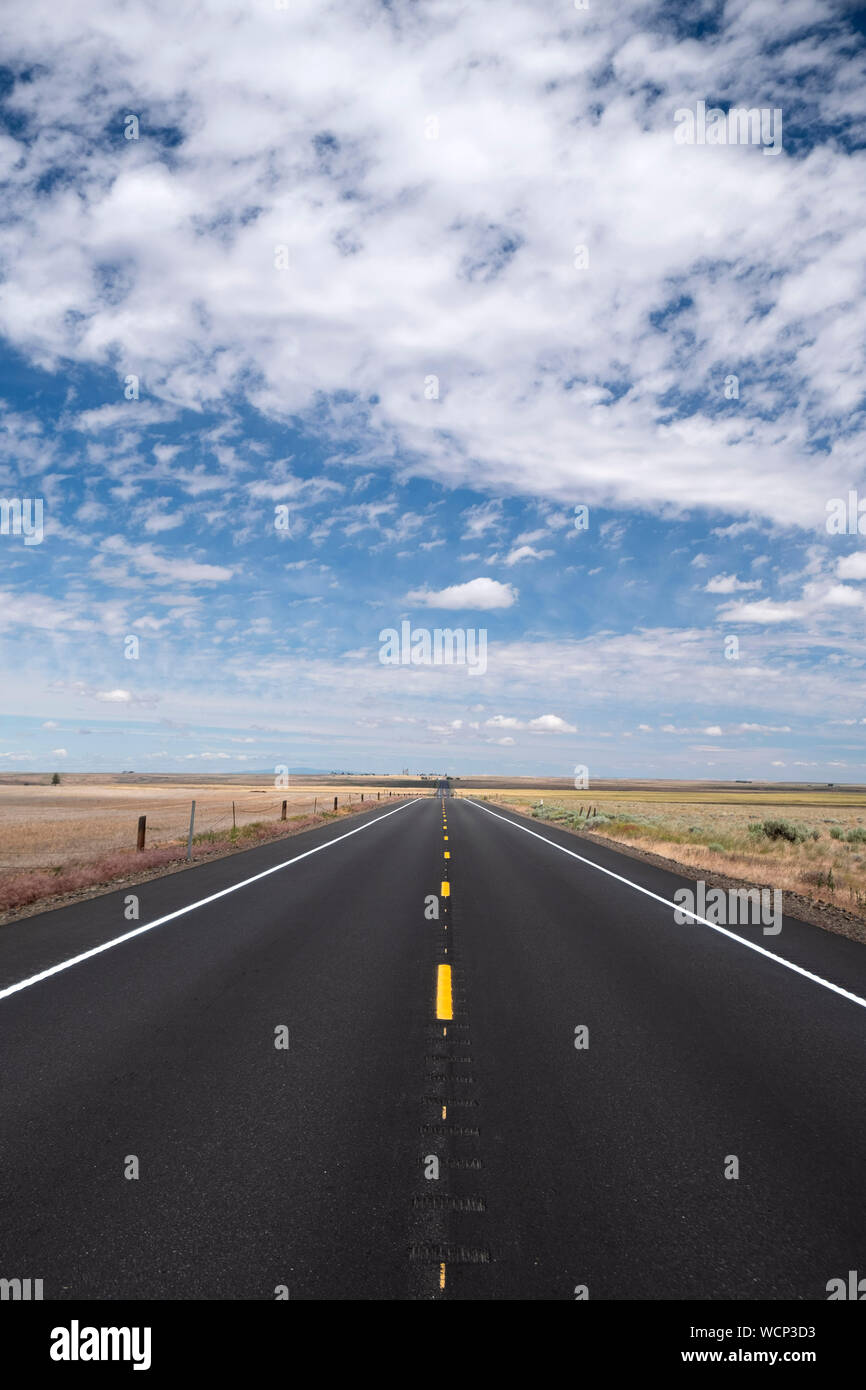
(552, 724)
(483, 593)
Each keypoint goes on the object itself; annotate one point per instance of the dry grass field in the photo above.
(801, 840)
(86, 816)
(59, 842)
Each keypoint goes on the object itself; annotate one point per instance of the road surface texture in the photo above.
(264, 1095)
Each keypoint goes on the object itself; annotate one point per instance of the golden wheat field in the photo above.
(806, 841)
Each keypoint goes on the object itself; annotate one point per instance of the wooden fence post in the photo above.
(283, 812)
(191, 824)
(335, 803)
(142, 826)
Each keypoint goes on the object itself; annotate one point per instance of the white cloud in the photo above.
(765, 610)
(852, 566)
(479, 520)
(525, 552)
(729, 584)
(156, 521)
(840, 596)
(544, 724)
(165, 569)
(552, 724)
(481, 593)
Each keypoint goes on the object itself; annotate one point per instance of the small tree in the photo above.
(55, 779)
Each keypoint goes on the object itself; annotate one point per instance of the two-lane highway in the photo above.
(428, 1054)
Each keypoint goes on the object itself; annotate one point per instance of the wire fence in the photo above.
(53, 834)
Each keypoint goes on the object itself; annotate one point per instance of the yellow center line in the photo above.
(444, 1003)
(441, 1276)
(447, 853)
(446, 889)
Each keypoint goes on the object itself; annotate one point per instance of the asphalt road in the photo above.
(310, 1169)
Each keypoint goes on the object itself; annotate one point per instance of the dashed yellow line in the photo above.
(441, 1276)
(444, 1002)
(446, 888)
(447, 853)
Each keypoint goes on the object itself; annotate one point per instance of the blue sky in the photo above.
(341, 263)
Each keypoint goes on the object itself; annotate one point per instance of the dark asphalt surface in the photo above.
(305, 1168)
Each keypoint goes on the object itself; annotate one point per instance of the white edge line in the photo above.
(714, 926)
(202, 902)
